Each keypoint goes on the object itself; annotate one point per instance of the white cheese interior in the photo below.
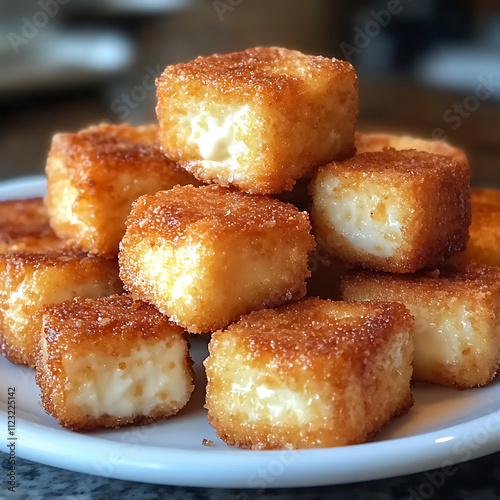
(67, 194)
(441, 334)
(67, 201)
(189, 257)
(172, 273)
(369, 222)
(263, 403)
(152, 375)
(46, 286)
(216, 136)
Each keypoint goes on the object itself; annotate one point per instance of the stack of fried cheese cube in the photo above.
(225, 257)
(217, 217)
(67, 247)
(401, 215)
(64, 249)
(123, 361)
(456, 306)
(253, 123)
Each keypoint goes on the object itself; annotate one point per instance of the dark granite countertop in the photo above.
(475, 480)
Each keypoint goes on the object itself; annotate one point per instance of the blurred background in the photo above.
(426, 67)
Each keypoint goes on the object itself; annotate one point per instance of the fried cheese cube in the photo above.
(258, 119)
(93, 177)
(366, 143)
(24, 225)
(204, 256)
(457, 314)
(395, 211)
(111, 362)
(30, 280)
(311, 374)
(484, 240)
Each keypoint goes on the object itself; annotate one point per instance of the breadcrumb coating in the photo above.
(111, 362)
(24, 225)
(30, 280)
(93, 177)
(457, 314)
(484, 240)
(259, 119)
(395, 211)
(310, 374)
(204, 256)
(366, 143)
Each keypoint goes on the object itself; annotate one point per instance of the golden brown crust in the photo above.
(261, 70)
(18, 260)
(453, 279)
(11, 352)
(400, 165)
(434, 192)
(107, 319)
(286, 96)
(95, 156)
(38, 278)
(312, 374)
(24, 225)
(145, 134)
(88, 423)
(263, 442)
(99, 323)
(95, 175)
(106, 327)
(204, 256)
(212, 210)
(375, 142)
(484, 241)
(439, 375)
(306, 327)
(485, 200)
(401, 409)
(23, 214)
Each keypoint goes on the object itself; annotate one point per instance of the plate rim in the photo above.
(311, 467)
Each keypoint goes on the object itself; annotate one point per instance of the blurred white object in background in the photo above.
(41, 52)
(135, 6)
(461, 68)
(464, 67)
(100, 51)
(56, 58)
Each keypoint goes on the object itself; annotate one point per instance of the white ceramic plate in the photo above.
(444, 427)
